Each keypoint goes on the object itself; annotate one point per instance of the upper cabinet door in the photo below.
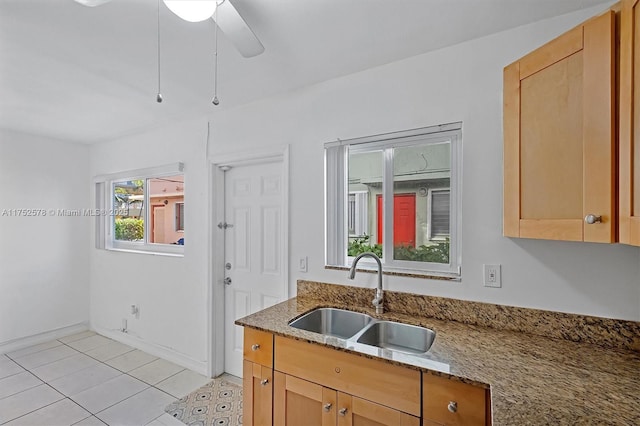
(559, 137)
(629, 167)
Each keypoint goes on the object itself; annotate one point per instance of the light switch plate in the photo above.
(302, 264)
(492, 276)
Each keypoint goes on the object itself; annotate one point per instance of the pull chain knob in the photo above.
(452, 407)
(327, 406)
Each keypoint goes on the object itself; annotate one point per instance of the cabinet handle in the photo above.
(342, 412)
(255, 347)
(592, 218)
(452, 407)
(327, 406)
(264, 382)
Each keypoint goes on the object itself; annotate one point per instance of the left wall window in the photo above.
(140, 210)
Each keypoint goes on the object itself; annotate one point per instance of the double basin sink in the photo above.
(362, 328)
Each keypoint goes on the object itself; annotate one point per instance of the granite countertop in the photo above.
(533, 380)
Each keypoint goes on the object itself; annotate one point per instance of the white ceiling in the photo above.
(89, 74)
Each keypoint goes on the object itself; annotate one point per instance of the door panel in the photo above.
(404, 219)
(299, 402)
(559, 137)
(629, 167)
(253, 249)
(354, 411)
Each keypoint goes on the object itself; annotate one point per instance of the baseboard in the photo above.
(153, 349)
(25, 342)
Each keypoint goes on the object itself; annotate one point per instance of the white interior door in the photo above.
(254, 242)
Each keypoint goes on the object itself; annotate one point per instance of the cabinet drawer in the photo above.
(470, 402)
(258, 347)
(373, 380)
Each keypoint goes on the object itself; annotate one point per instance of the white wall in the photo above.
(44, 273)
(171, 291)
(461, 83)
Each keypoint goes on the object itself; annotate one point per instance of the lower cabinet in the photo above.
(257, 394)
(300, 402)
(453, 403)
(288, 382)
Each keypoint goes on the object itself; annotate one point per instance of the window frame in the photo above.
(105, 223)
(336, 198)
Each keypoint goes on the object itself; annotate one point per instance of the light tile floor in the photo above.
(87, 379)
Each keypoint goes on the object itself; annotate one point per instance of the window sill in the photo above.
(153, 253)
(408, 274)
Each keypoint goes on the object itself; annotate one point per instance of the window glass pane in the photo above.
(165, 194)
(421, 181)
(364, 203)
(440, 202)
(128, 201)
(180, 216)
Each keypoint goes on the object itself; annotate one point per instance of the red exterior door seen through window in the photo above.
(404, 219)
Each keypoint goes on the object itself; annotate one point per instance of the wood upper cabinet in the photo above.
(629, 133)
(559, 137)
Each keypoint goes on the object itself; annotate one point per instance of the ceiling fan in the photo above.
(226, 17)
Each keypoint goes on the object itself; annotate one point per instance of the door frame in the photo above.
(215, 289)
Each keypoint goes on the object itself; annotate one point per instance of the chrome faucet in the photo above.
(378, 302)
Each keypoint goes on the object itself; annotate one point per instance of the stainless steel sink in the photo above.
(397, 336)
(333, 322)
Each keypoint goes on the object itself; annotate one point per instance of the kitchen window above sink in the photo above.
(396, 195)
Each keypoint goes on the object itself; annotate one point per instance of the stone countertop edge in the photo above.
(532, 379)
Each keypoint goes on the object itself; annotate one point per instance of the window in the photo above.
(179, 216)
(397, 196)
(144, 210)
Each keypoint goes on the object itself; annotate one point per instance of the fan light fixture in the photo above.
(192, 10)
(92, 3)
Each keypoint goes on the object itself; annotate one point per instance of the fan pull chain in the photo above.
(159, 96)
(215, 100)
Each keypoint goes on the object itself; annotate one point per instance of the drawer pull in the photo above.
(264, 382)
(452, 407)
(327, 407)
(343, 412)
(255, 347)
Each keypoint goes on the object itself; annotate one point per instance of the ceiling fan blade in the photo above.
(237, 30)
(92, 3)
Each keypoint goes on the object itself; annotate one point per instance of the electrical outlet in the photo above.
(302, 264)
(492, 276)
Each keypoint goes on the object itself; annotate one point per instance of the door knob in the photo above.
(592, 218)
(342, 412)
(264, 382)
(227, 281)
(452, 407)
(327, 406)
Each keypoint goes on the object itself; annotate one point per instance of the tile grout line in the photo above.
(44, 406)
(70, 398)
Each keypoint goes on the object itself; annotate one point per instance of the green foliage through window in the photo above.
(362, 245)
(435, 253)
(129, 229)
